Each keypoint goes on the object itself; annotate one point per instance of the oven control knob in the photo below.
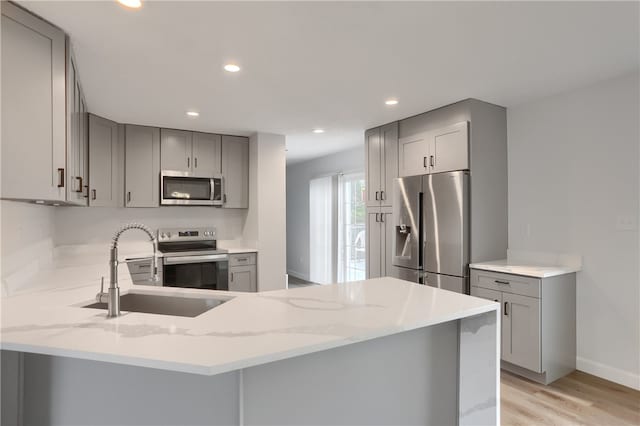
(168, 234)
(163, 235)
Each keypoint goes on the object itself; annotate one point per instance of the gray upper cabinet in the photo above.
(381, 164)
(77, 136)
(33, 107)
(192, 152)
(435, 151)
(207, 151)
(103, 162)
(176, 150)
(235, 171)
(450, 148)
(142, 166)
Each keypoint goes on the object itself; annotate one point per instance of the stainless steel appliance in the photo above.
(431, 230)
(190, 258)
(189, 189)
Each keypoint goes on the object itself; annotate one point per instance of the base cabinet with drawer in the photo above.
(538, 321)
(242, 272)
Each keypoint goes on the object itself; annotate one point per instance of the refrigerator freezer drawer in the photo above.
(448, 282)
(413, 275)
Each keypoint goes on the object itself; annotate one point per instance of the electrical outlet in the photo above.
(626, 223)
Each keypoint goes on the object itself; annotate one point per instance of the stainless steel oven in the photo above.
(191, 259)
(189, 189)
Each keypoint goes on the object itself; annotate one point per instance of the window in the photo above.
(337, 228)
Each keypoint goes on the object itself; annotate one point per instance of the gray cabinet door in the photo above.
(103, 162)
(76, 137)
(175, 150)
(235, 171)
(243, 278)
(521, 331)
(207, 150)
(373, 238)
(142, 166)
(389, 149)
(373, 166)
(33, 107)
(413, 155)
(386, 243)
(450, 148)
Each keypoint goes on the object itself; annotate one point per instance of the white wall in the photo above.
(27, 234)
(573, 186)
(298, 177)
(266, 223)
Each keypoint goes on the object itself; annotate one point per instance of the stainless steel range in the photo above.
(190, 258)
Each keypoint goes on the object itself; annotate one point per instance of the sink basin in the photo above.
(163, 305)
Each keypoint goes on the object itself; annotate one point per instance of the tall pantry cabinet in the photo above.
(381, 168)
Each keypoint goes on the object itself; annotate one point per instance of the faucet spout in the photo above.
(113, 292)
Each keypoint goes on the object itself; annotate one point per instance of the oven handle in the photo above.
(176, 260)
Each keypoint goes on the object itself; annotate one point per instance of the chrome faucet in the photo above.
(112, 297)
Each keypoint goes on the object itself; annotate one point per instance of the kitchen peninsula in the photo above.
(379, 351)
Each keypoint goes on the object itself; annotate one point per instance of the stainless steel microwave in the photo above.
(187, 189)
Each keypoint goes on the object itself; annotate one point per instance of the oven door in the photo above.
(208, 272)
(183, 188)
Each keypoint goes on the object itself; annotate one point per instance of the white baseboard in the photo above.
(607, 372)
(298, 275)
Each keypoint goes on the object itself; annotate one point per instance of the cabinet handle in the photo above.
(232, 277)
(195, 162)
(501, 282)
(79, 180)
(381, 217)
(496, 300)
(506, 309)
(242, 259)
(224, 198)
(377, 195)
(188, 162)
(424, 162)
(382, 195)
(93, 194)
(432, 160)
(129, 197)
(60, 178)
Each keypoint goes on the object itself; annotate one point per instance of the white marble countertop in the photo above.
(517, 267)
(250, 329)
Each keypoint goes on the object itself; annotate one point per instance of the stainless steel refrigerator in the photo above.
(431, 230)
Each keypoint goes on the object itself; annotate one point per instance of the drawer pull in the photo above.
(502, 282)
(506, 309)
(242, 259)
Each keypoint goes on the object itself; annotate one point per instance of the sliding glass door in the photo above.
(337, 228)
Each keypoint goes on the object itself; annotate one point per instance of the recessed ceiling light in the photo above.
(318, 130)
(232, 68)
(193, 113)
(391, 102)
(132, 4)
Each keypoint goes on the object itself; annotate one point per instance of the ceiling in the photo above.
(331, 65)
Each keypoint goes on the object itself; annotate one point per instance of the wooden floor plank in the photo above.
(577, 399)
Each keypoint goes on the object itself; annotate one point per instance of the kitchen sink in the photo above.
(163, 305)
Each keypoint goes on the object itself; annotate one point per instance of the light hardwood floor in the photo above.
(577, 399)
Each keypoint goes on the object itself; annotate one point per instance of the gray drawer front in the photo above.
(140, 266)
(515, 284)
(242, 259)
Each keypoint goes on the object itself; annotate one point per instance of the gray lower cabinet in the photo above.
(33, 107)
(538, 321)
(235, 171)
(379, 236)
(142, 166)
(242, 272)
(103, 162)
